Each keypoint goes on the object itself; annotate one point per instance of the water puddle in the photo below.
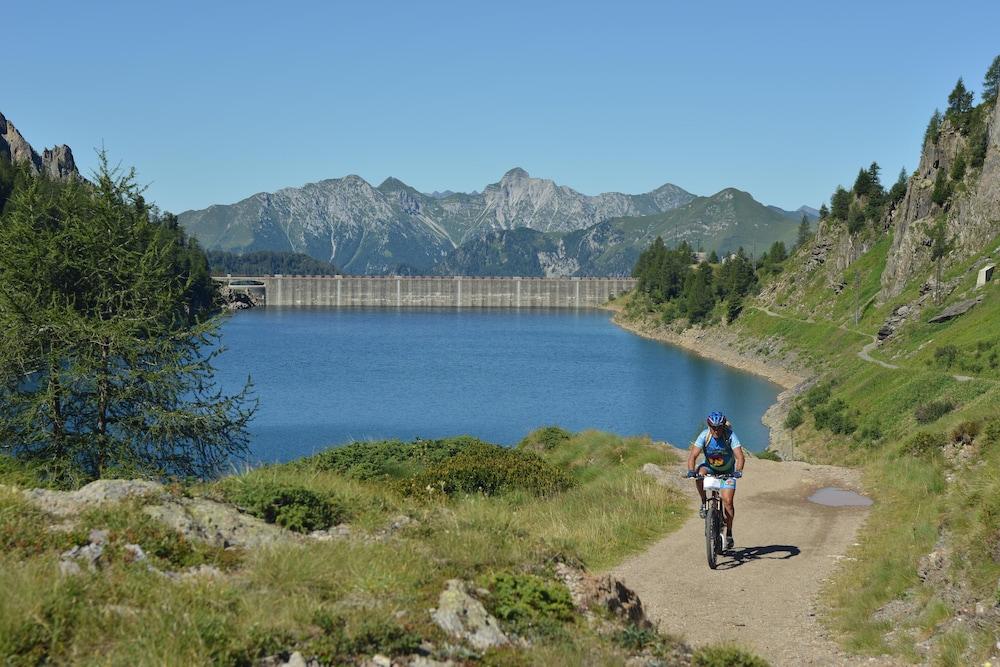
(834, 497)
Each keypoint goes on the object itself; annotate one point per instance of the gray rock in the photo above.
(954, 310)
(56, 162)
(463, 617)
(216, 523)
(606, 592)
(69, 503)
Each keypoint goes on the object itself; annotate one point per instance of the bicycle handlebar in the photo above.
(726, 475)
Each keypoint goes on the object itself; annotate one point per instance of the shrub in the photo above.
(923, 444)
(294, 507)
(932, 411)
(338, 644)
(490, 470)
(529, 604)
(945, 355)
(545, 438)
(818, 395)
(635, 638)
(834, 416)
(966, 432)
(870, 432)
(725, 656)
(388, 459)
(992, 433)
(795, 417)
(768, 455)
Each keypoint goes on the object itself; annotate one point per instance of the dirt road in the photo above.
(764, 598)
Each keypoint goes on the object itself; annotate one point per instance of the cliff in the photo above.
(56, 162)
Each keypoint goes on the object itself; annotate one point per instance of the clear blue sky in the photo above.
(214, 101)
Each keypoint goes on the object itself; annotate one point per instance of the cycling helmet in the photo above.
(716, 419)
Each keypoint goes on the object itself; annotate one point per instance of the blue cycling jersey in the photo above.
(718, 452)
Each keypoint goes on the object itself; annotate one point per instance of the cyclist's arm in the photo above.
(740, 459)
(695, 450)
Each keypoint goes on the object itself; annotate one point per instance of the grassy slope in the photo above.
(916, 504)
(342, 597)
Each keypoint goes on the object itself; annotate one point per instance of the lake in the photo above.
(330, 376)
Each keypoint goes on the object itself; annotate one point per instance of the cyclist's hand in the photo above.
(738, 474)
(692, 473)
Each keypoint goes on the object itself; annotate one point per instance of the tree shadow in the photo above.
(746, 555)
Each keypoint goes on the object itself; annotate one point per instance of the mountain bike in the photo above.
(714, 520)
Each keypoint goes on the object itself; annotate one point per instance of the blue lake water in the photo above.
(330, 376)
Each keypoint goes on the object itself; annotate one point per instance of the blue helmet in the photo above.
(716, 419)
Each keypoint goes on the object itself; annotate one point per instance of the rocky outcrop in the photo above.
(464, 617)
(604, 593)
(56, 162)
(972, 218)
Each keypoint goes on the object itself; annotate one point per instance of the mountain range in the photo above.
(519, 225)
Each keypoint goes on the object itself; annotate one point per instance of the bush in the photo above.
(945, 355)
(768, 455)
(992, 433)
(795, 417)
(834, 416)
(528, 604)
(388, 459)
(966, 432)
(293, 507)
(932, 411)
(923, 444)
(725, 656)
(338, 644)
(491, 470)
(818, 395)
(545, 438)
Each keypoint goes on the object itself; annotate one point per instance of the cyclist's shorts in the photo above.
(706, 469)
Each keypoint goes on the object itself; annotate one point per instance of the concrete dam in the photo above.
(429, 291)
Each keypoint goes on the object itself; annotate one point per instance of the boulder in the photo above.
(954, 310)
(216, 523)
(606, 592)
(464, 617)
(69, 503)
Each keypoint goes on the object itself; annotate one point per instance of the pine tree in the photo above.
(862, 184)
(898, 189)
(699, 296)
(840, 203)
(855, 218)
(713, 257)
(933, 127)
(941, 245)
(942, 188)
(106, 337)
(959, 106)
(876, 183)
(824, 212)
(991, 82)
(805, 231)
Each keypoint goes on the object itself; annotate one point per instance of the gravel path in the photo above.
(765, 598)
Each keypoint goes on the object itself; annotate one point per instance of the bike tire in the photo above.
(711, 533)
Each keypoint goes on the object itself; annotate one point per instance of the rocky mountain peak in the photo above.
(56, 162)
(515, 174)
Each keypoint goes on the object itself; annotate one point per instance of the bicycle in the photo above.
(714, 521)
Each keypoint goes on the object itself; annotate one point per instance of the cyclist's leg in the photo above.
(700, 483)
(729, 507)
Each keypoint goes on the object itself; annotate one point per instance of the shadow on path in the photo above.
(746, 555)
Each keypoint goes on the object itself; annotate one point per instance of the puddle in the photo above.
(834, 497)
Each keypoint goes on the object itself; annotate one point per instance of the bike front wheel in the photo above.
(712, 542)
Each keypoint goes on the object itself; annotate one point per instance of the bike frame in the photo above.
(714, 520)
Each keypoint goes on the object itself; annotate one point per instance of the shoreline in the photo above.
(721, 347)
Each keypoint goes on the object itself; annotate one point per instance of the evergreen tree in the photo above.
(713, 257)
(933, 128)
(824, 212)
(876, 182)
(840, 203)
(804, 232)
(991, 82)
(736, 276)
(942, 188)
(107, 337)
(855, 219)
(778, 253)
(959, 105)
(898, 189)
(699, 296)
(958, 168)
(941, 245)
(862, 184)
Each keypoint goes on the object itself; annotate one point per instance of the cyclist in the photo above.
(723, 455)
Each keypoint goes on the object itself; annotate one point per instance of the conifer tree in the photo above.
(107, 338)
(898, 189)
(699, 297)
(824, 212)
(804, 232)
(942, 188)
(933, 127)
(959, 105)
(840, 203)
(862, 184)
(991, 82)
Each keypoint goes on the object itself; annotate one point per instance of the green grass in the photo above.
(344, 598)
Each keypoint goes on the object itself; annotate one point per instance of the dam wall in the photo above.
(433, 291)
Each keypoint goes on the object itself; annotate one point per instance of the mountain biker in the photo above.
(723, 455)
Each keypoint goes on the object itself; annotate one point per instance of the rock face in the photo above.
(606, 593)
(971, 218)
(56, 162)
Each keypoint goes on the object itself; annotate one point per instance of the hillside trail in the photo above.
(764, 594)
